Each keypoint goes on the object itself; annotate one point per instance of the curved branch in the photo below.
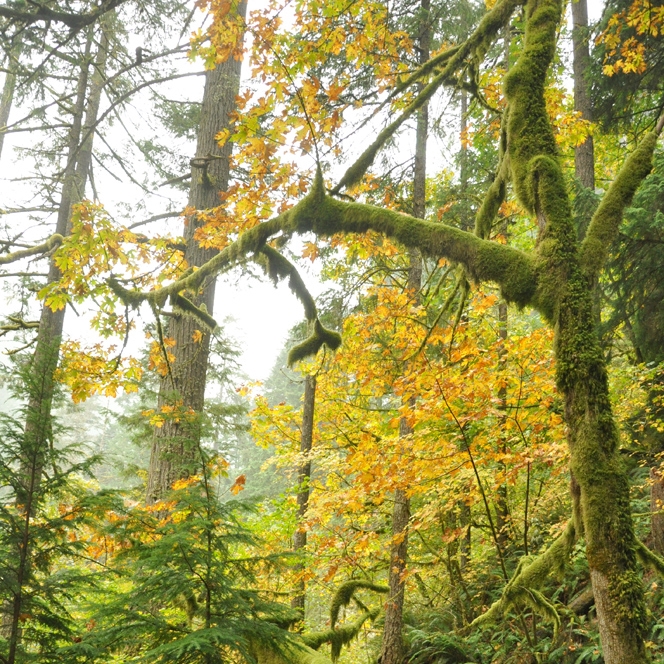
(513, 270)
(528, 578)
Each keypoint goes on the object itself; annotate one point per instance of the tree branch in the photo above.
(606, 221)
(476, 45)
(46, 14)
(52, 243)
(513, 270)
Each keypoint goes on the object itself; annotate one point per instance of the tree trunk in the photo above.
(657, 509)
(584, 154)
(392, 648)
(175, 448)
(8, 90)
(303, 479)
(47, 351)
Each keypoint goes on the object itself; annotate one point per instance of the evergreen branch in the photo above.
(45, 247)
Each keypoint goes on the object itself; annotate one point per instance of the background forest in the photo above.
(458, 454)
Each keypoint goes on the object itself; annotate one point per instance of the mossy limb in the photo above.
(530, 575)
(277, 266)
(605, 222)
(184, 305)
(649, 558)
(346, 592)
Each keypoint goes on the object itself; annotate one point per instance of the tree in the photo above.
(556, 279)
(175, 452)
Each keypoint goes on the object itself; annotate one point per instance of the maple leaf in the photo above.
(238, 485)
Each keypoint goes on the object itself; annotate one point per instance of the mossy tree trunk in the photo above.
(175, 447)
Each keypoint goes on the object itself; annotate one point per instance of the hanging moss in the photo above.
(277, 266)
(346, 592)
(320, 337)
(185, 306)
(492, 200)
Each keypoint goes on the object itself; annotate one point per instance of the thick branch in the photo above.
(513, 270)
(606, 221)
(52, 243)
(531, 574)
(278, 267)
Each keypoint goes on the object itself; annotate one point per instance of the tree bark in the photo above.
(8, 90)
(657, 509)
(584, 154)
(47, 351)
(393, 647)
(175, 448)
(303, 479)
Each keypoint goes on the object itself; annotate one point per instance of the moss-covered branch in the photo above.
(513, 270)
(475, 46)
(338, 637)
(45, 247)
(530, 576)
(346, 593)
(649, 558)
(605, 222)
(277, 266)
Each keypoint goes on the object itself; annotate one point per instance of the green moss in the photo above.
(649, 558)
(605, 222)
(528, 125)
(494, 197)
(346, 592)
(277, 266)
(531, 575)
(185, 306)
(320, 337)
